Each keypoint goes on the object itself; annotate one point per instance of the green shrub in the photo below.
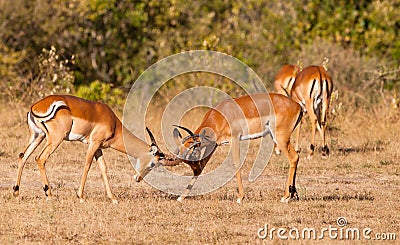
(100, 91)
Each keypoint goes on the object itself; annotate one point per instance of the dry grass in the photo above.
(360, 181)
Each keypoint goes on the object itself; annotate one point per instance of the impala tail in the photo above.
(321, 91)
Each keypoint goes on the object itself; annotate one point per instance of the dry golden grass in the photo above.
(360, 181)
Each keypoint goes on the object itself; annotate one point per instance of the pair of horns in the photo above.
(186, 129)
(191, 134)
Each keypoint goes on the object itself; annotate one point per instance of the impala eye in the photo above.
(160, 155)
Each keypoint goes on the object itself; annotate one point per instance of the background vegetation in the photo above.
(97, 48)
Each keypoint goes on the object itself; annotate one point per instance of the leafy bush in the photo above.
(115, 41)
(10, 83)
(100, 91)
(54, 75)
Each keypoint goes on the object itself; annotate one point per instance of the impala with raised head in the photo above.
(285, 78)
(243, 118)
(312, 89)
(63, 117)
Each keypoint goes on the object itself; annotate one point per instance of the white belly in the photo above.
(76, 137)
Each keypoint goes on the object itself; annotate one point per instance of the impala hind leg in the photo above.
(325, 148)
(36, 139)
(103, 168)
(297, 147)
(51, 146)
(312, 142)
(293, 157)
(313, 120)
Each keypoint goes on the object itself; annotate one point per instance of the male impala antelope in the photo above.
(285, 78)
(242, 118)
(312, 90)
(63, 117)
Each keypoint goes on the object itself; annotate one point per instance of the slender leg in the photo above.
(23, 157)
(312, 145)
(188, 188)
(103, 168)
(236, 163)
(93, 147)
(297, 148)
(240, 187)
(325, 149)
(293, 157)
(50, 147)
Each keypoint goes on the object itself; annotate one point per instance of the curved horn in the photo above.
(186, 129)
(153, 140)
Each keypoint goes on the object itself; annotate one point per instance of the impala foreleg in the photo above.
(188, 188)
(103, 168)
(93, 147)
(236, 163)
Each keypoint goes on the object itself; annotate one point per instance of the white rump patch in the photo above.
(51, 111)
(32, 125)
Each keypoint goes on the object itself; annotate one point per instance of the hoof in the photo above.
(137, 178)
(81, 200)
(325, 152)
(285, 199)
(239, 200)
(47, 190)
(311, 152)
(15, 190)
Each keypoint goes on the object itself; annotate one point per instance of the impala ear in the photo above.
(202, 134)
(177, 136)
(207, 134)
